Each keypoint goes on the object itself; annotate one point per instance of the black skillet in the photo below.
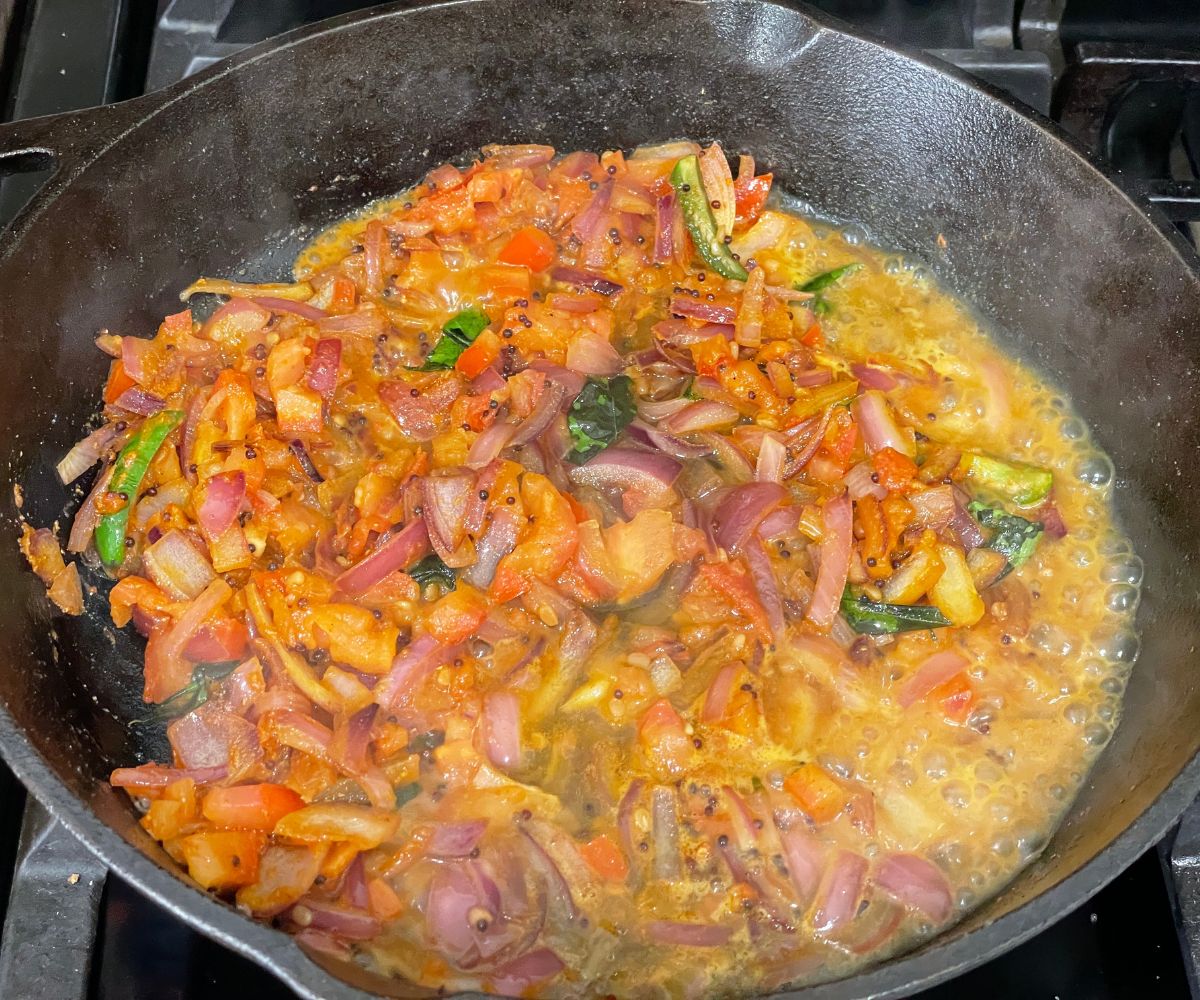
(245, 161)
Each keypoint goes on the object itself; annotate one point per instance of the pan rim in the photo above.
(936, 961)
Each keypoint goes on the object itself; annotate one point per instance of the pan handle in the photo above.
(69, 140)
(53, 912)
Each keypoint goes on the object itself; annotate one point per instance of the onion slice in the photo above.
(916, 882)
(935, 670)
(836, 543)
(397, 552)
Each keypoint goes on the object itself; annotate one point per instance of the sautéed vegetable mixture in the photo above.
(589, 579)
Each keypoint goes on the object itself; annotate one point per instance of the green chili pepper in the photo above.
(874, 618)
(1025, 485)
(701, 223)
(817, 285)
(128, 473)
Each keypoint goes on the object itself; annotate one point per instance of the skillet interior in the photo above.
(1068, 272)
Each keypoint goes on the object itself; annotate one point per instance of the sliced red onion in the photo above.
(149, 776)
(657, 410)
(836, 541)
(166, 670)
(708, 312)
(729, 456)
(486, 448)
(323, 366)
(647, 473)
(572, 303)
(518, 157)
(587, 223)
(514, 978)
(805, 856)
(237, 317)
(859, 483)
(966, 529)
(134, 352)
(664, 229)
(673, 446)
(86, 453)
(772, 455)
(137, 400)
(781, 523)
(348, 923)
(704, 415)
(593, 354)
(585, 279)
(837, 902)
(811, 379)
(716, 701)
(502, 728)
(805, 439)
(916, 882)
(456, 840)
(552, 398)
(177, 566)
(873, 377)
(569, 380)
(487, 382)
(688, 935)
(767, 232)
(625, 810)
(301, 309)
(765, 583)
(412, 664)
(366, 323)
(397, 552)
(497, 541)
(934, 671)
(187, 441)
(748, 329)
(681, 333)
(224, 495)
(214, 737)
(879, 428)
(87, 517)
(664, 826)
(742, 510)
(444, 501)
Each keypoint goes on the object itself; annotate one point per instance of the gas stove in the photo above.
(1123, 76)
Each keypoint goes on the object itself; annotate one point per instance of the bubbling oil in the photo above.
(1052, 700)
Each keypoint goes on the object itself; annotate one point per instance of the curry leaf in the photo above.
(1014, 537)
(875, 618)
(458, 333)
(431, 569)
(406, 793)
(192, 696)
(603, 408)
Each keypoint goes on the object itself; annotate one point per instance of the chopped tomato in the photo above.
(355, 637)
(343, 297)
(457, 615)
(816, 792)
(549, 542)
(739, 588)
(813, 337)
(299, 410)
(605, 858)
(956, 697)
(479, 355)
(895, 470)
(250, 807)
(118, 382)
(531, 248)
(664, 739)
(218, 640)
(712, 355)
(751, 195)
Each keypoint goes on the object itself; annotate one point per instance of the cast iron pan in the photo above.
(245, 161)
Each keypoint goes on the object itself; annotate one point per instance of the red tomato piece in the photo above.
(531, 248)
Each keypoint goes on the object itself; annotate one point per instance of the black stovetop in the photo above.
(1123, 75)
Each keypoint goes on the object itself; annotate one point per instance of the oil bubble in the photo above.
(1096, 735)
(1128, 570)
(1095, 470)
(1112, 685)
(1075, 713)
(1003, 845)
(1121, 597)
(1072, 428)
(1119, 647)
